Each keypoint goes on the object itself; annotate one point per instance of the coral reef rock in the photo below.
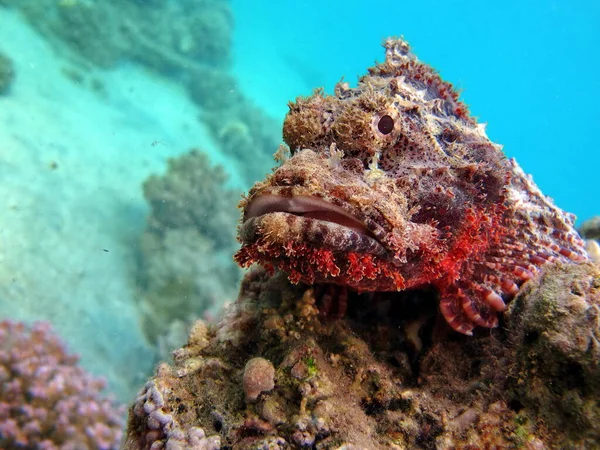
(352, 383)
(241, 129)
(185, 260)
(46, 400)
(555, 325)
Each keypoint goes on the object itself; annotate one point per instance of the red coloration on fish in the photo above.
(392, 185)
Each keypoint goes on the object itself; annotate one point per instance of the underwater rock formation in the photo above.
(360, 382)
(46, 400)
(532, 385)
(555, 327)
(185, 261)
(193, 194)
(7, 73)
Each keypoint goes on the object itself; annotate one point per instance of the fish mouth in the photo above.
(304, 206)
(307, 219)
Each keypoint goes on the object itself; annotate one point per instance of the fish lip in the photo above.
(263, 208)
(306, 206)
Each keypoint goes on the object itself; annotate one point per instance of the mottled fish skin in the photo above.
(393, 185)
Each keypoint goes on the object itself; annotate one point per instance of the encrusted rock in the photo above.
(342, 384)
(357, 383)
(154, 424)
(555, 326)
(259, 377)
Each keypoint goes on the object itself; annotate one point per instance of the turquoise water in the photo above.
(529, 69)
(98, 104)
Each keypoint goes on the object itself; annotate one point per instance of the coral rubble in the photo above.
(46, 400)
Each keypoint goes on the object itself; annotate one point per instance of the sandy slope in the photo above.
(71, 166)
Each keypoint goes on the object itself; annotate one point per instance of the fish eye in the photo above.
(385, 124)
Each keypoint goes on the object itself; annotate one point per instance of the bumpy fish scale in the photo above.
(392, 185)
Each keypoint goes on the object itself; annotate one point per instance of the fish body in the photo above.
(392, 185)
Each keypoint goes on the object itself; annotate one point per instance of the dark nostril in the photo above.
(449, 135)
(385, 124)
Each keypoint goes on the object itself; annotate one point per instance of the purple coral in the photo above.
(46, 400)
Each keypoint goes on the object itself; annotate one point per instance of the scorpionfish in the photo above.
(392, 185)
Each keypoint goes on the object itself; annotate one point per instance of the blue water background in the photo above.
(69, 235)
(530, 69)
